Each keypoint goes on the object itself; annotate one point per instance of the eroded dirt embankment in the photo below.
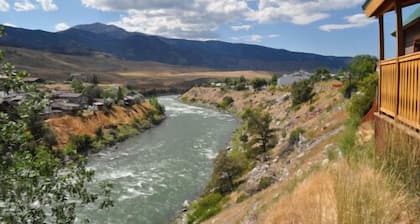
(66, 126)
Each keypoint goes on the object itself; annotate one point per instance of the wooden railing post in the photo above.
(400, 49)
(381, 58)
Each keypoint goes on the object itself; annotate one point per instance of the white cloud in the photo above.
(4, 6)
(24, 5)
(9, 24)
(61, 27)
(198, 20)
(241, 27)
(47, 5)
(201, 19)
(255, 38)
(354, 21)
(299, 12)
(273, 35)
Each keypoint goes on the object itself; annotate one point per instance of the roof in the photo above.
(380, 7)
(413, 16)
(70, 95)
(411, 19)
(366, 4)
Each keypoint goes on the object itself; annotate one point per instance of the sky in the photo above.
(328, 27)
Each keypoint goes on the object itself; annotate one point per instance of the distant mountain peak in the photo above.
(106, 29)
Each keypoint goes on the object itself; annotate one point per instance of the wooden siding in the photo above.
(400, 93)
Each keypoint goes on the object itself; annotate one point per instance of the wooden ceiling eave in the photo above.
(380, 7)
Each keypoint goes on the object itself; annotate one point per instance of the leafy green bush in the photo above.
(81, 143)
(155, 103)
(361, 103)
(258, 83)
(321, 74)
(226, 102)
(265, 182)
(301, 92)
(205, 207)
(77, 86)
(294, 136)
(361, 66)
(242, 198)
(227, 167)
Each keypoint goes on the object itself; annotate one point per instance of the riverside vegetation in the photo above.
(39, 182)
(307, 157)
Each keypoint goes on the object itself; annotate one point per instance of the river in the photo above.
(154, 173)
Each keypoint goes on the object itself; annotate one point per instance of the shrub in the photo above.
(81, 143)
(361, 103)
(301, 92)
(226, 102)
(155, 103)
(227, 167)
(242, 198)
(99, 133)
(265, 182)
(205, 207)
(295, 136)
(77, 86)
(258, 83)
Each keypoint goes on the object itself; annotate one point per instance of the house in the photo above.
(291, 78)
(411, 31)
(75, 98)
(399, 86)
(65, 107)
(33, 80)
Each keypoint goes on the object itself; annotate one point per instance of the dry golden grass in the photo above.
(346, 194)
(66, 126)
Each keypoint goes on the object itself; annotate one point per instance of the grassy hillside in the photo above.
(143, 75)
(321, 170)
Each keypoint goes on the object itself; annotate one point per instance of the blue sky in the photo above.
(329, 27)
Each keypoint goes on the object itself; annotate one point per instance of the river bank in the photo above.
(155, 172)
(107, 127)
(322, 120)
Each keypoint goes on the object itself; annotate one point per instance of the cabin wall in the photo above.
(411, 35)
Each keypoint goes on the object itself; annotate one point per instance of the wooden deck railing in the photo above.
(400, 89)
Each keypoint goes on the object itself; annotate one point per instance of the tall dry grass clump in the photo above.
(367, 195)
(345, 193)
(401, 157)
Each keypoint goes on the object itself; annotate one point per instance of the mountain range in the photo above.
(89, 39)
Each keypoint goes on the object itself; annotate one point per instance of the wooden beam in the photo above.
(400, 42)
(381, 38)
(400, 31)
(381, 58)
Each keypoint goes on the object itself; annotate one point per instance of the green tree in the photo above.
(94, 80)
(91, 92)
(302, 92)
(120, 94)
(361, 66)
(226, 169)
(159, 107)
(242, 79)
(321, 74)
(361, 103)
(273, 81)
(77, 86)
(258, 125)
(36, 185)
(258, 83)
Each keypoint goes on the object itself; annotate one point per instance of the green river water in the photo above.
(155, 172)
